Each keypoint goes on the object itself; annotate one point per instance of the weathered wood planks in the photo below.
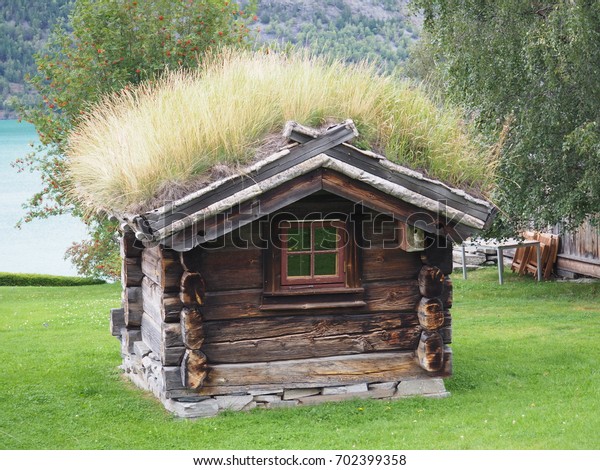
(132, 306)
(390, 264)
(164, 339)
(232, 269)
(160, 305)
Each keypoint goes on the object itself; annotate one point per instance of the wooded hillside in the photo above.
(375, 29)
(24, 29)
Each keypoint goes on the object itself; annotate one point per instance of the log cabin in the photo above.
(320, 272)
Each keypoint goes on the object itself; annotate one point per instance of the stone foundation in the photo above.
(144, 369)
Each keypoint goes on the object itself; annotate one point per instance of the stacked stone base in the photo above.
(144, 369)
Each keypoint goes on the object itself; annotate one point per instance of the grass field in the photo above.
(526, 376)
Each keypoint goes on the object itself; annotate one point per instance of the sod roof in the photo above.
(162, 140)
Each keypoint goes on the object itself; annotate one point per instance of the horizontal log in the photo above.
(192, 330)
(378, 230)
(389, 264)
(117, 321)
(192, 289)
(431, 281)
(131, 272)
(232, 269)
(431, 313)
(430, 351)
(306, 373)
(396, 296)
(160, 305)
(132, 306)
(194, 369)
(314, 325)
(313, 305)
(164, 339)
(174, 388)
(301, 346)
(162, 266)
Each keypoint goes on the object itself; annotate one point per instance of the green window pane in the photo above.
(298, 239)
(298, 265)
(326, 264)
(326, 238)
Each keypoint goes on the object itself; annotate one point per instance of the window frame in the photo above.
(347, 294)
(314, 280)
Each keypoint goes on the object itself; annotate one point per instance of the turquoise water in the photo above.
(39, 246)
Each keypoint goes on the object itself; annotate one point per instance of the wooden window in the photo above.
(313, 253)
(312, 264)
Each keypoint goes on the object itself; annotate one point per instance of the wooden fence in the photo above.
(579, 250)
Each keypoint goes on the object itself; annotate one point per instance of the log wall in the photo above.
(202, 324)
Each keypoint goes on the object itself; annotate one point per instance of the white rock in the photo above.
(293, 393)
(356, 388)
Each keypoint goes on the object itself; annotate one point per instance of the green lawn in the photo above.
(526, 376)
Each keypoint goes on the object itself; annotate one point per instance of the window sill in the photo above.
(313, 299)
(314, 291)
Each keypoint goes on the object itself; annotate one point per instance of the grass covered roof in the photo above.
(174, 132)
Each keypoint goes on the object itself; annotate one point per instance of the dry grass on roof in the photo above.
(174, 132)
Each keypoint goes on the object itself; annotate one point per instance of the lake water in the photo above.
(38, 247)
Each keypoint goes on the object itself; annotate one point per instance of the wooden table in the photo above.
(500, 247)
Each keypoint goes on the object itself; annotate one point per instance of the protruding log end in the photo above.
(430, 351)
(192, 330)
(431, 313)
(192, 289)
(194, 369)
(431, 281)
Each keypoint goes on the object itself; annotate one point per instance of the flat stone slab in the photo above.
(295, 393)
(283, 404)
(316, 399)
(233, 402)
(383, 386)
(267, 398)
(203, 409)
(422, 387)
(355, 388)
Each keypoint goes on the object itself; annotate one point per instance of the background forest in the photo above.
(379, 30)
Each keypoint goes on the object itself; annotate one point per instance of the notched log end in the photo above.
(192, 328)
(194, 369)
(431, 281)
(192, 290)
(431, 313)
(430, 351)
